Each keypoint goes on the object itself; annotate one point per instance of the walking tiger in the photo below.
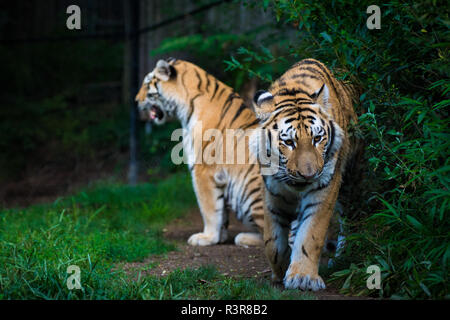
(309, 111)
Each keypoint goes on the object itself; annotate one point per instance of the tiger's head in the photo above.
(308, 136)
(154, 96)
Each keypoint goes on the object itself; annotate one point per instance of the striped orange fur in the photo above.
(309, 110)
(182, 91)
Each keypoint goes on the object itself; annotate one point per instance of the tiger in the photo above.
(178, 90)
(309, 111)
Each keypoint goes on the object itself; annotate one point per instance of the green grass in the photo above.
(98, 230)
(93, 230)
(207, 283)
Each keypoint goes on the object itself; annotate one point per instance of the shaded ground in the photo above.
(229, 259)
(39, 184)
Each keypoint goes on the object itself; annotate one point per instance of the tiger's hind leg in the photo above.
(210, 197)
(255, 221)
(335, 239)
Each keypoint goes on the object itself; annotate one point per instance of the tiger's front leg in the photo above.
(317, 209)
(276, 236)
(210, 197)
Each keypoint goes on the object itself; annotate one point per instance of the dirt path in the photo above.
(229, 259)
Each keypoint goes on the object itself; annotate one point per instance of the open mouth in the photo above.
(155, 113)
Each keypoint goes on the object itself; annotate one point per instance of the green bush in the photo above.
(403, 73)
(208, 48)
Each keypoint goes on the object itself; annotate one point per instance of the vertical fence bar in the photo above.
(132, 45)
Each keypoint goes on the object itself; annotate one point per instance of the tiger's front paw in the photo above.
(203, 239)
(303, 281)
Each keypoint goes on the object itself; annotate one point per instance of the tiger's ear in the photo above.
(142, 94)
(163, 70)
(321, 96)
(262, 103)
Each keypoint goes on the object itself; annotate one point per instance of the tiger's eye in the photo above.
(289, 143)
(317, 139)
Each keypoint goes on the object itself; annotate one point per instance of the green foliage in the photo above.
(206, 46)
(402, 71)
(94, 229)
(206, 50)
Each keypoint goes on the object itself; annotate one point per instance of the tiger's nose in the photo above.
(308, 173)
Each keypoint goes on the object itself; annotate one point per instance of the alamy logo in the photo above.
(374, 20)
(74, 280)
(213, 146)
(74, 20)
(374, 281)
